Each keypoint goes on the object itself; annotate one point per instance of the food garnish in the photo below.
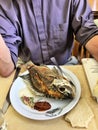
(38, 105)
(29, 101)
(42, 106)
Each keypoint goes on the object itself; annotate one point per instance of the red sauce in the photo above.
(42, 106)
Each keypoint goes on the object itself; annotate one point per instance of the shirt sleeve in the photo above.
(9, 29)
(83, 21)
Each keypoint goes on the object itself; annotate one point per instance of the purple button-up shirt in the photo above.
(45, 27)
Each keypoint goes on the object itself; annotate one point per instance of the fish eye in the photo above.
(62, 89)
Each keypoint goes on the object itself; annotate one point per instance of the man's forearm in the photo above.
(92, 47)
(6, 63)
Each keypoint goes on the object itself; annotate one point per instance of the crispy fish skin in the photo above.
(42, 78)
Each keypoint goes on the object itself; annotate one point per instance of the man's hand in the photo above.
(6, 63)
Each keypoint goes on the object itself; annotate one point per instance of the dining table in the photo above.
(16, 121)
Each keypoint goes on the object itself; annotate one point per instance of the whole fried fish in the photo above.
(49, 82)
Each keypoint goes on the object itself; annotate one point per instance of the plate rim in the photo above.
(71, 105)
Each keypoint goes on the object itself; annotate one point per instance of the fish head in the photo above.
(63, 86)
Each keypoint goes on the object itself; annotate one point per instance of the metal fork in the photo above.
(60, 70)
(55, 111)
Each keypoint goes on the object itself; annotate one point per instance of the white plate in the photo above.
(26, 111)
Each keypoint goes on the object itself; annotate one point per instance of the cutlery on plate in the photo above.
(7, 100)
(53, 59)
(55, 111)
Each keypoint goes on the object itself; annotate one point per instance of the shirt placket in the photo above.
(41, 30)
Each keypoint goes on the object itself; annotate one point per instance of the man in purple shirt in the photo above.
(41, 29)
